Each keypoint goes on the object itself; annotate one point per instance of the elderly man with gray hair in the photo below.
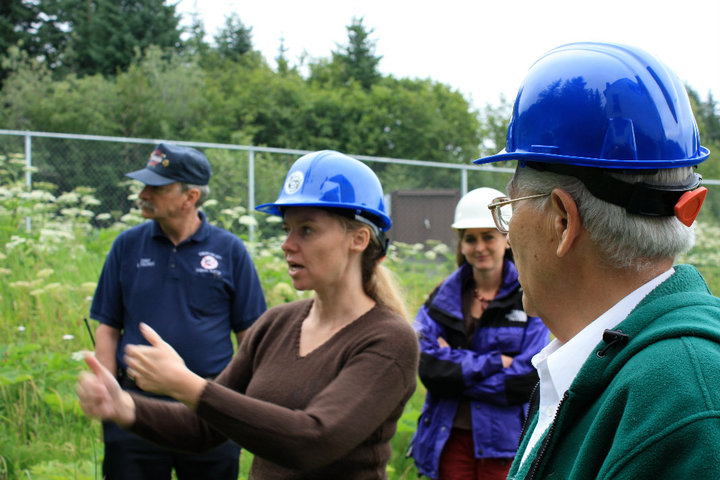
(603, 200)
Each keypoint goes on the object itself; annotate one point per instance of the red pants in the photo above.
(458, 462)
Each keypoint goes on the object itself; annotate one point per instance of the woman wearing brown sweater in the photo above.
(317, 386)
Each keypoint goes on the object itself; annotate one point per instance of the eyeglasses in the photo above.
(502, 210)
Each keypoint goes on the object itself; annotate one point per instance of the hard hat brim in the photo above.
(639, 164)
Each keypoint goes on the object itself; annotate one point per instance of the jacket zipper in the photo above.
(546, 441)
(533, 407)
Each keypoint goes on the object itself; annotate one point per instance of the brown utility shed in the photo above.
(420, 215)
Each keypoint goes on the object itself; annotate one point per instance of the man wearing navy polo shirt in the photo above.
(193, 283)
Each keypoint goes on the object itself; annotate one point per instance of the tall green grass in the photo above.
(48, 274)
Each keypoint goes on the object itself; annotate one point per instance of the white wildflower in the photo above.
(247, 220)
(44, 273)
(52, 234)
(441, 249)
(68, 197)
(80, 356)
(41, 195)
(90, 200)
(14, 242)
(70, 212)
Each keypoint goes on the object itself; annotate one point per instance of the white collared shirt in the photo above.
(559, 363)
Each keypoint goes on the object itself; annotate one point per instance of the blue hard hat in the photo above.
(602, 105)
(330, 179)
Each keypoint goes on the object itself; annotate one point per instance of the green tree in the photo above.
(357, 58)
(233, 95)
(16, 17)
(27, 82)
(34, 100)
(108, 35)
(195, 44)
(494, 120)
(35, 27)
(87, 36)
(707, 117)
(160, 96)
(235, 39)
(283, 66)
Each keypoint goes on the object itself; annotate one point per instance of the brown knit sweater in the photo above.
(327, 415)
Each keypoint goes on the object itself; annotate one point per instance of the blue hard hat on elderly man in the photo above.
(589, 109)
(170, 163)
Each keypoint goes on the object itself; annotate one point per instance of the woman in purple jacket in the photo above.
(476, 343)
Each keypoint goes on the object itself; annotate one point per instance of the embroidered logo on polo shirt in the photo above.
(209, 262)
(145, 262)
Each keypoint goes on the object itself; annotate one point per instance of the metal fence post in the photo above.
(28, 173)
(251, 193)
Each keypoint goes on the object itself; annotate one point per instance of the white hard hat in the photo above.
(472, 212)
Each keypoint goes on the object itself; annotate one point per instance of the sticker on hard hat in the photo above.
(294, 182)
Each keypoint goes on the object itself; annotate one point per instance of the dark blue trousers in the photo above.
(129, 457)
(136, 459)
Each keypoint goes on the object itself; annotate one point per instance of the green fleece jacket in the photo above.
(647, 409)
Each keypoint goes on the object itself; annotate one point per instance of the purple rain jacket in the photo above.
(473, 370)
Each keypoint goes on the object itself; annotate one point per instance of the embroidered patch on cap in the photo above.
(294, 182)
(157, 156)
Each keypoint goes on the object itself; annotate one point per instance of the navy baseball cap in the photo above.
(170, 163)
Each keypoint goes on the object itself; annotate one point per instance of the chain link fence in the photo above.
(243, 176)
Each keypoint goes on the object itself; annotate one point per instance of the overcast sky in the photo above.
(481, 48)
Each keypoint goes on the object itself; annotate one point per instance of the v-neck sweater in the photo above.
(328, 414)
